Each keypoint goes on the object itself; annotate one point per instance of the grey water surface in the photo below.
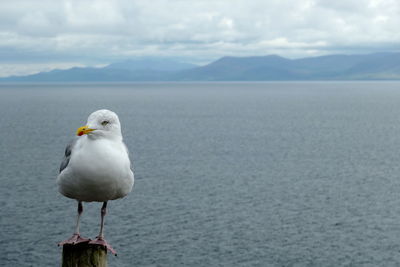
(227, 174)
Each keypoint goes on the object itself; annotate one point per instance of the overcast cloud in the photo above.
(46, 34)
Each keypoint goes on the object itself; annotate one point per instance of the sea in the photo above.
(226, 173)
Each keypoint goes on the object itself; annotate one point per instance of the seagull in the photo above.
(96, 167)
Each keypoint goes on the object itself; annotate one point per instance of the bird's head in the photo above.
(103, 123)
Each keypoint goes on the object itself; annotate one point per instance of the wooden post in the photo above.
(84, 255)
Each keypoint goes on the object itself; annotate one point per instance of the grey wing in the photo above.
(67, 155)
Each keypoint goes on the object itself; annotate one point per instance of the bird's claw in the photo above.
(74, 240)
(102, 242)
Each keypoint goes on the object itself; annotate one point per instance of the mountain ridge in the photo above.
(377, 66)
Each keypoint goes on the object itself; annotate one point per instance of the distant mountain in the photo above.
(144, 69)
(333, 67)
(378, 66)
(240, 69)
(90, 75)
(151, 64)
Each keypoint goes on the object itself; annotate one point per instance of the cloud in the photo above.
(97, 32)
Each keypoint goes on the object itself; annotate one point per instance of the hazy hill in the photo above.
(151, 64)
(332, 67)
(143, 69)
(378, 66)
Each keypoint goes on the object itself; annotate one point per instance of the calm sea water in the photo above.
(227, 174)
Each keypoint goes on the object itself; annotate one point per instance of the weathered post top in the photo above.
(84, 255)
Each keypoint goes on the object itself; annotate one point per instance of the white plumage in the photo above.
(96, 167)
(99, 168)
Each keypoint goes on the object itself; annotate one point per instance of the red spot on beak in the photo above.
(80, 133)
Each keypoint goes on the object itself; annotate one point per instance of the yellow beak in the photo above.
(84, 130)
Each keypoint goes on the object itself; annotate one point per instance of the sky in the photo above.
(47, 34)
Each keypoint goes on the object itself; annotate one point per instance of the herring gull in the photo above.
(96, 167)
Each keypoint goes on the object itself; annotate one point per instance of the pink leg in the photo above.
(100, 238)
(76, 237)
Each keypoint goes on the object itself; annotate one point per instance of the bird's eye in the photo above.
(104, 123)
